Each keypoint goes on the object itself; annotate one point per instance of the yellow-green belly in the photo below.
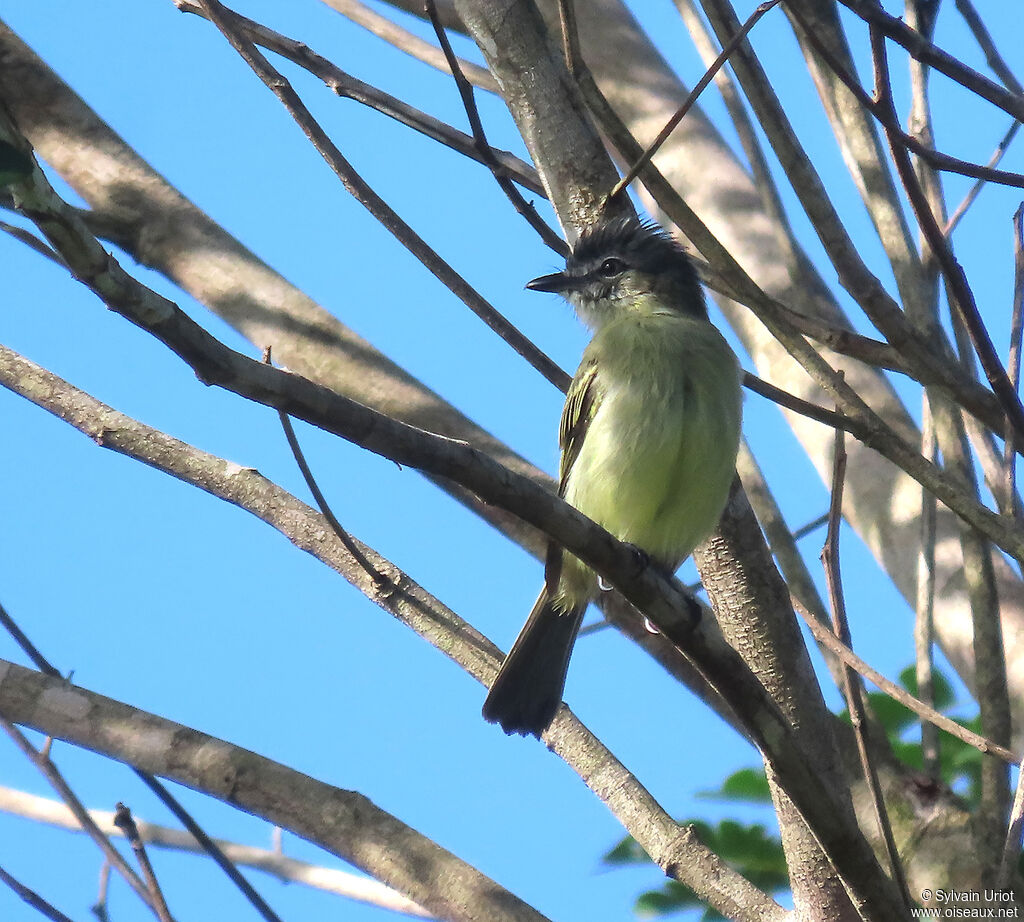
(659, 455)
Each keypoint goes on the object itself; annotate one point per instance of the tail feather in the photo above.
(528, 689)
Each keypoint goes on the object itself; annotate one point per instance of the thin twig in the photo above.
(31, 240)
(57, 781)
(852, 689)
(123, 820)
(976, 188)
(688, 103)
(804, 530)
(99, 908)
(349, 87)
(1011, 845)
(984, 39)
(270, 861)
(595, 626)
(483, 147)
(944, 723)
(407, 41)
(767, 188)
(919, 47)
(886, 115)
(790, 401)
(993, 467)
(32, 898)
(571, 50)
(165, 796)
(225, 21)
(1013, 363)
(379, 579)
(924, 626)
(959, 290)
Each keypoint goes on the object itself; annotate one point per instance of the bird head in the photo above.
(626, 265)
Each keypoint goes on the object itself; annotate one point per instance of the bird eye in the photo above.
(612, 267)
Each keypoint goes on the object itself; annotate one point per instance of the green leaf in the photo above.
(628, 851)
(748, 784)
(750, 849)
(673, 897)
(942, 690)
(892, 715)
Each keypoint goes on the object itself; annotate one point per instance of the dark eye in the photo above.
(612, 267)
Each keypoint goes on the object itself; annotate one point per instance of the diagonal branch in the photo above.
(407, 41)
(853, 691)
(50, 772)
(926, 52)
(223, 19)
(483, 148)
(672, 847)
(32, 898)
(349, 87)
(344, 822)
(123, 820)
(959, 290)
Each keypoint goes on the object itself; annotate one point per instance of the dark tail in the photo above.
(528, 689)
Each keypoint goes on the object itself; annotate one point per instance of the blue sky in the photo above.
(159, 595)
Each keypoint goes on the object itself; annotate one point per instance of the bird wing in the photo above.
(581, 406)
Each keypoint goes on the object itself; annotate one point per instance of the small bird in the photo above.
(649, 435)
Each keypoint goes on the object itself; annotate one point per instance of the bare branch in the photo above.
(465, 88)
(32, 898)
(272, 862)
(891, 27)
(852, 689)
(924, 609)
(988, 46)
(224, 20)
(162, 794)
(30, 240)
(56, 780)
(379, 579)
(688, 104)
(974, 191)
(960, 292)
(1011, 846)
(824, 636)
(349, 87)
(675, 849)
(123, 820)
(344, 822)
(406, 41)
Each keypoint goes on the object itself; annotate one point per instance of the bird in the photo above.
(648, 437)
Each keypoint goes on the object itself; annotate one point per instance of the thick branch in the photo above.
(344, 822)
(673, 848)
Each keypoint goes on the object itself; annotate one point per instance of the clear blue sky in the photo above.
(156, 594)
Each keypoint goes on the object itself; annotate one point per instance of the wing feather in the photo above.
(581, 406)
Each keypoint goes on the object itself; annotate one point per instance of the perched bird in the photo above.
(649, 435)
